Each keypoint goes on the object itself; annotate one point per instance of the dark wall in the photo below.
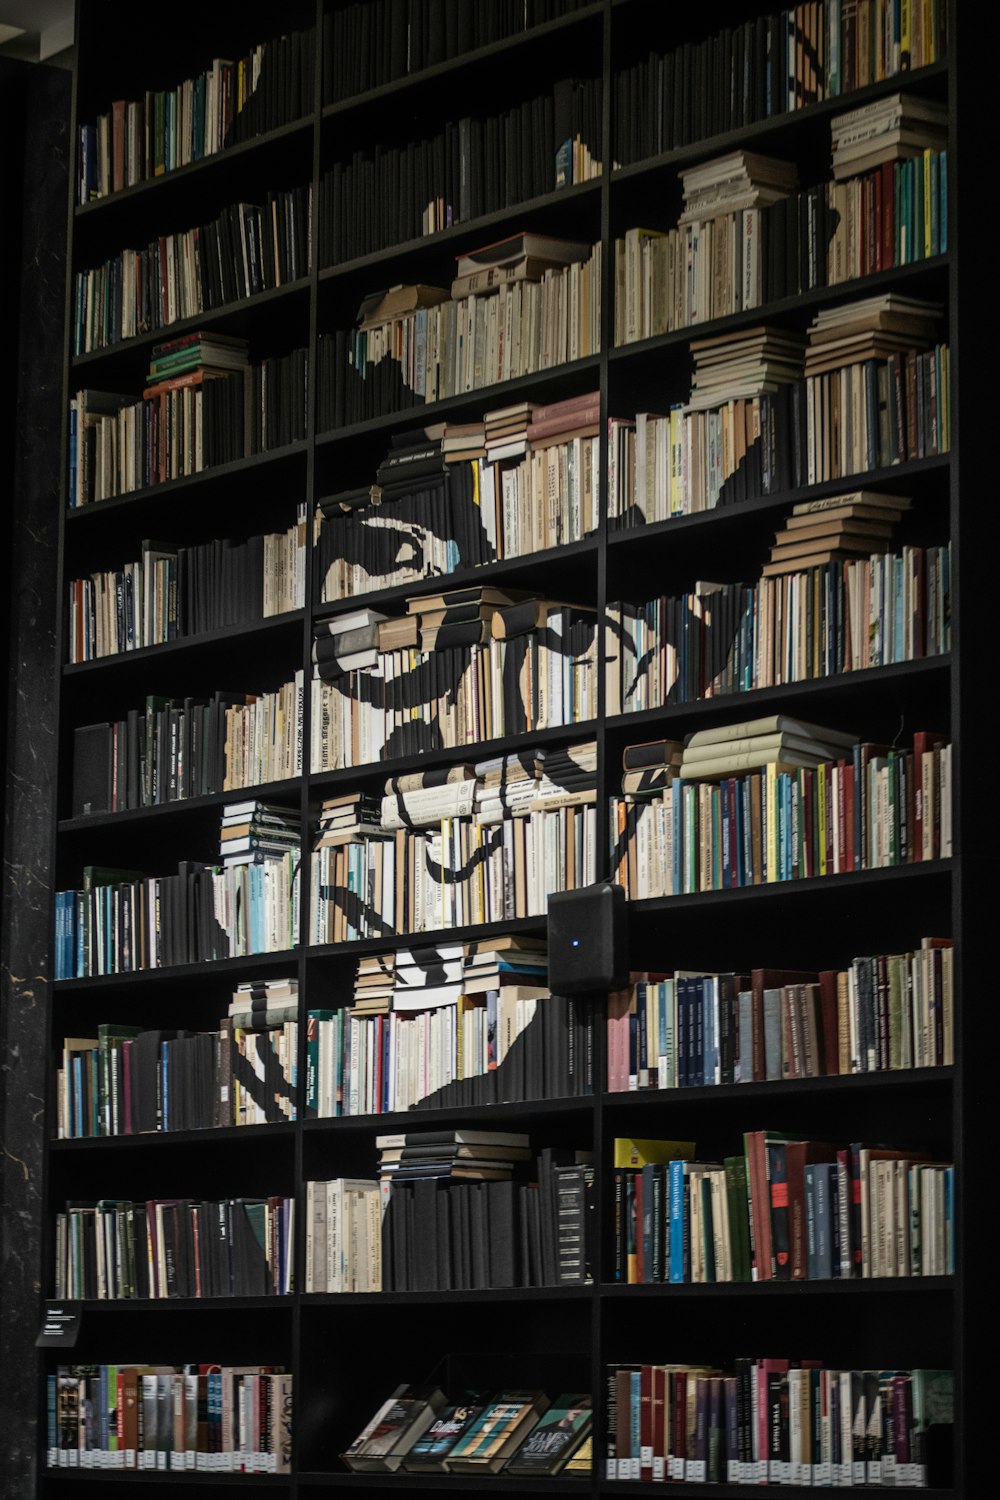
(34, 131)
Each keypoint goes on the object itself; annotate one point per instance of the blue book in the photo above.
(678, 1221)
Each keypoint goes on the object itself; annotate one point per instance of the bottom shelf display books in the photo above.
(781, 1422)
(559, 1435)
(383, 1443)
(518, 1431)
(198, 1418)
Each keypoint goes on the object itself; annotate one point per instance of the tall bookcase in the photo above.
(346, 1352)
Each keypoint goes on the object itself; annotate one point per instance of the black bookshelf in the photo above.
(872, 1324)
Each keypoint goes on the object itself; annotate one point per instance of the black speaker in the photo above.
(588, 940)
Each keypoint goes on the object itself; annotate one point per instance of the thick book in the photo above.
(429, 1452)
(496, 1433)
(555, 1438)
(383, 1443)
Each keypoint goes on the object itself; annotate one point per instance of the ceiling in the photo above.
(36, 29)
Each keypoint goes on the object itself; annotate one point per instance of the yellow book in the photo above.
(631, 1153)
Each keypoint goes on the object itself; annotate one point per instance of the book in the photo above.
(384, 1441)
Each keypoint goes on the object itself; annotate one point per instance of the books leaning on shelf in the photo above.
(384, 194)
(782, 1209)
(130, 1079)
(692, 1029)
(804, 621)
(484, 850)
(171, 592)
(227, 104)
(519, 1432)
(121, 443)
(456, 1214)
(122, 921)
(461, 345)
(194, 1418)
(248, 248)
(463, 1024)
(867, 393)
(114, 1249)
(459, 495)
(175, 748)
(774, 799)
(793, 58)
(780, 1422)
(458, 668)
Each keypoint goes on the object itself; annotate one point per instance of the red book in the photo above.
(798, 1155)
(828, 1019)
(888, 226)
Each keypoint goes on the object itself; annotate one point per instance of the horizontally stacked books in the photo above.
(835, 530)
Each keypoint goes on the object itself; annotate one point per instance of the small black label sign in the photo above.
(60, 1326)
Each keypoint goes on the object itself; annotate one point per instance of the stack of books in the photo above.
(464, 441)
(519, 257)
(648, 768)
(507, 431)
(576, 417)
(457, 617)
(470, 1155)
(347, 817)
(255, 831)
(739, 366)
(888, 129)
(345, 643)
(260, 1004)
(777, 740)
(874, 328)
(377, 307)
(374, 984)
(191, 360)
(729, 184)
(834, 530)
(414, 462)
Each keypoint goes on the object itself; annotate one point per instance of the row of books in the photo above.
(778, 1421)
(228, 103)
(115, 1249)
(783, 1209)
(841, 616)
(523, 479)
(384, 195)
(848, 420)
(506, 1044)
(372, 42)
(469, 1224)
(122, 921)
(119, 444)
(195, 1418)
(247, 248)
(170, 592)
(175, 748)
(817, 804)
(478, 863)
(517, 1432)
(743, 258)
(460, 346)
(692, 1029)
(129, 1080)
(793, 58)
(413, 699)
